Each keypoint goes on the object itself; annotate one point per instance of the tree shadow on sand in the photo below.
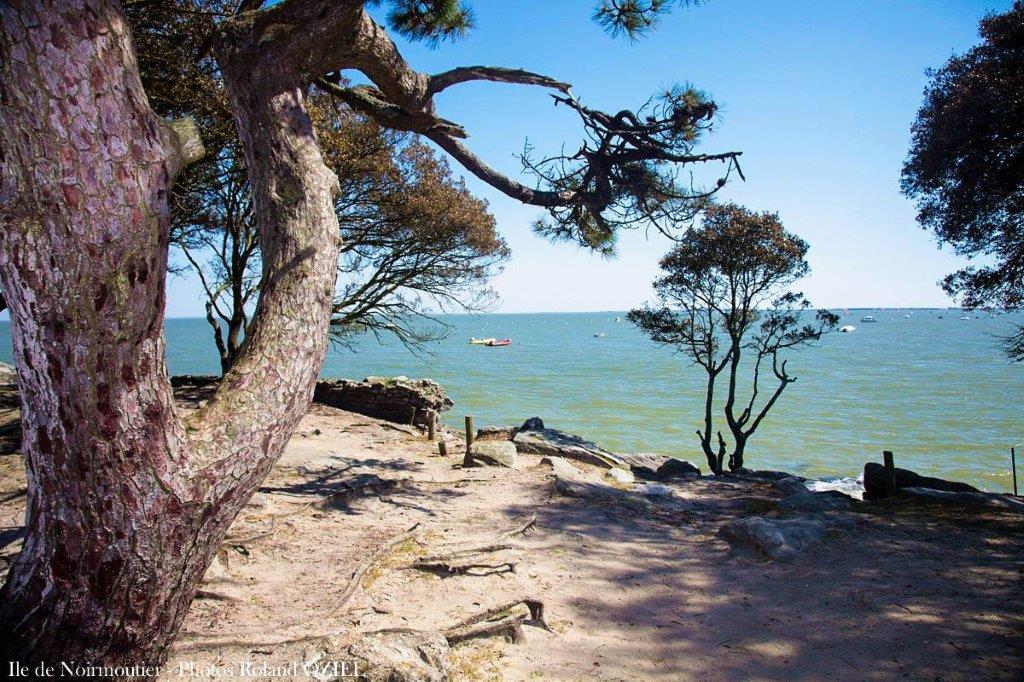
(914, 590)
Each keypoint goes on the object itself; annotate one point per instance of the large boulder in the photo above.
(783, 540)
(532, 424)
(644, 465)
(791, 485)
(500, 453)
(553, 443)
(677, 468)
(874, 482)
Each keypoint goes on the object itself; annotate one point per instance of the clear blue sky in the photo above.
(819, 96)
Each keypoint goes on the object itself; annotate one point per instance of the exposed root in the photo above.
(216, 596)
(354, 582)
(441, 568)
(500, 620)
(452, 562)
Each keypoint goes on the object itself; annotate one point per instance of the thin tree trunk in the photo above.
(125, 505)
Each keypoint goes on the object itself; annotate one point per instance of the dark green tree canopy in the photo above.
(966, 162)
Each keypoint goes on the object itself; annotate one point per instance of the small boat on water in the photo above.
(600, 335)
(846, 329)
(499, 342)
(481, 342)
(868, 318)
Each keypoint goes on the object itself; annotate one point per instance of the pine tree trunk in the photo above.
(126, 506)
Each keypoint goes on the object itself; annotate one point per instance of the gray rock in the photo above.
(562, 468)
(783, 540)
(532, 424)
(496, 433)
(8, 375)
(500, 453)
(554, 443)
(966, 499)
(401, 657)
(623, 476)
(644, 465)
(791, 485)
(815, 502)
(874, 482)
(676, 468)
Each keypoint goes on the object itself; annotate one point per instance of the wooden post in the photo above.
(431, 424)
(442, 448)
(1013, 465)
(890, 474)
(412, 416)
(469, 434)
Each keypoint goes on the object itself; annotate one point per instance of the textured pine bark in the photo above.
(126, 504)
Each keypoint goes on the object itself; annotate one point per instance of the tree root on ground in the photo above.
(353, 584)
(454, 562)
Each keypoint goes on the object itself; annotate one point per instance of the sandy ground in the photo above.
(913, 592)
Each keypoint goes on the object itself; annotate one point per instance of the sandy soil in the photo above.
(914, 592)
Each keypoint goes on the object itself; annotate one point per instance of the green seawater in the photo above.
(935, 390)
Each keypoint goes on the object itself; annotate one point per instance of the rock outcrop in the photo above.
(966, 499)
(393, 399)
(874, 482)
(553, 443)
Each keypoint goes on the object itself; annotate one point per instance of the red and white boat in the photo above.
(499, 342)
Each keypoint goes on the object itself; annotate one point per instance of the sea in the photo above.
(931, 385)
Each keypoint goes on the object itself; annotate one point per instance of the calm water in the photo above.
(936, 391)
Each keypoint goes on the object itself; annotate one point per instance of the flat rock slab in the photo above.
(554, 443)
(501, 453)
(623, 476)
(782, 540)
(815, 502)
(966, 499)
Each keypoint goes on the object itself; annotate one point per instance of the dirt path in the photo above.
(629, 595)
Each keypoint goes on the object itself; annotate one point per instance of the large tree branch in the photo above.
(497, 74)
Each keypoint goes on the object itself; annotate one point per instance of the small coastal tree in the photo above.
(966, 166)
(723, 298)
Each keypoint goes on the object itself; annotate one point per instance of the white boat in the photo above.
(846, 329)
(600, 335)
(868, 318)
(481, 342)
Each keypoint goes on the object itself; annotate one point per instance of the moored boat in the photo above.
(499, 342)
(481, 342)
